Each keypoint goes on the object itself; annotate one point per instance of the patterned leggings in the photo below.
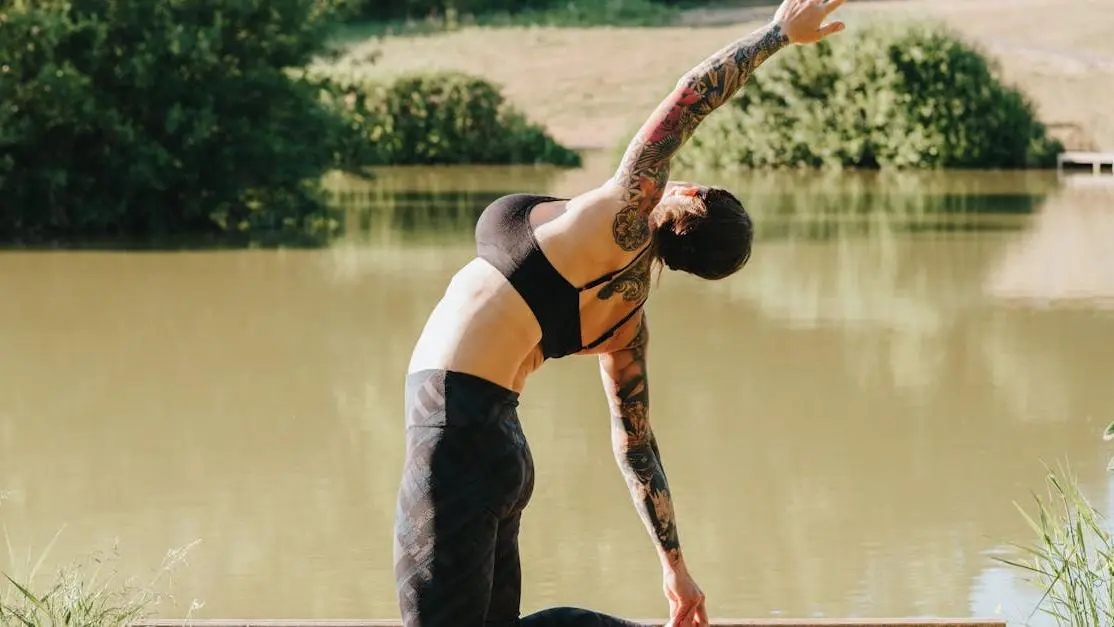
(467, 477)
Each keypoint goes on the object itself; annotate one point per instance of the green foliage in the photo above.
(81, 594)
(1072, 560)
(447, 14)
(887, 95)
(438, 118)
(1108, 435)
(161, 116)
(70, 601)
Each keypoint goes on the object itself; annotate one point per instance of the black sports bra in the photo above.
(505, 239)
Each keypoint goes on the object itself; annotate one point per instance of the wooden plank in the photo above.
(1086, 157)
(759, 622)
(1094, 159)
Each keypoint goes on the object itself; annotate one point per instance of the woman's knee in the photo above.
(572, 617)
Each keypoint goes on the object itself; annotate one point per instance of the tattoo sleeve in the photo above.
(644, 170)
(636, 449)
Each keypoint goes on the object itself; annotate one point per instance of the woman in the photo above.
(553, 278)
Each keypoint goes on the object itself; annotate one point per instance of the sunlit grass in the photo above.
(87, 593)
(1072, 558)
(570, 13)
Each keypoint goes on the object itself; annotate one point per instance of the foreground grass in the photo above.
(82, 594)
(1072, 559)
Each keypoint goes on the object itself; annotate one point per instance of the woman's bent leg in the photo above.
(444, 546)
(506, 588)
(451, 497)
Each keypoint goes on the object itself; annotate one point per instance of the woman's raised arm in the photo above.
(644, 170)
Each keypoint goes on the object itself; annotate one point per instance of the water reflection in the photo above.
(786, 205)
(426, 204)
(1066, 257)
(846, 423)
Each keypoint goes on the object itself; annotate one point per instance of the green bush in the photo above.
(438, 118)
(883, 96)
(146, 117)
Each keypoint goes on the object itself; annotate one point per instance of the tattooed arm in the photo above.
(644, 170)
(636, 450)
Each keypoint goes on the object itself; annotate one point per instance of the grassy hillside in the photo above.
(589, 86)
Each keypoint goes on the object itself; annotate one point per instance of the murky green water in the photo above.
(846, 424)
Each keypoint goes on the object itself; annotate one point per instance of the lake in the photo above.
(846, 424)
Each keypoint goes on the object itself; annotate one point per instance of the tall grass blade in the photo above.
(1071, 561)
(77, 599)
(45, 552)
(26, 593)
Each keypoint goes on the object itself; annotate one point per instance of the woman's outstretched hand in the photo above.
(802, 21)
(686, 600)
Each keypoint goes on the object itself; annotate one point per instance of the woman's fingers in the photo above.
(676, 613)
(700, 616)
(803, 20)
(831, 29)
(687, 612)
(829, 7)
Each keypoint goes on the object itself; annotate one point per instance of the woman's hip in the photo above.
(463, 437)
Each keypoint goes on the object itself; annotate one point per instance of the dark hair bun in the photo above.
(675, 251)
(711, 240)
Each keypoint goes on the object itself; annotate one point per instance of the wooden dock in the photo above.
(1098, 161)
(762, 622)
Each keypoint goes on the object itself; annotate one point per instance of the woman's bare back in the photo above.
(482, 326)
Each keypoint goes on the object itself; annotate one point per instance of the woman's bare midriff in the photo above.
(480, 327)
(483, 327)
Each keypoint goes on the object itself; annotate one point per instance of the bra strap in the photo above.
(614, 273)
(610, 332)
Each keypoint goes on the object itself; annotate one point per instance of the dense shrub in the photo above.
(156, 116)
(178, 117)
(883, 96)
(439, 118)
